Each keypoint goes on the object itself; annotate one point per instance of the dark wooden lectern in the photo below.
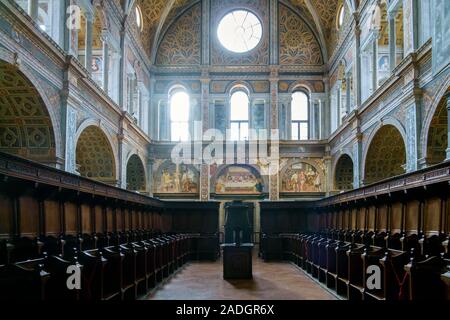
(237, 251)
(237, 261)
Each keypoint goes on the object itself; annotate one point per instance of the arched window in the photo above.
(179, 116)
(239, 116)
(139, 18)
(340, 17)
(300, 116)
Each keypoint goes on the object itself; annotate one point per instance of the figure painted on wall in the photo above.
(301, 177)
(238, 180)
(178, 179)
(96, 64)
(383, 63)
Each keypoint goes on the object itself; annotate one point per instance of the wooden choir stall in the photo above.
(400, 225)
(124, 243)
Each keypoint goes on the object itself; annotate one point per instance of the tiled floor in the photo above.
(271, 281)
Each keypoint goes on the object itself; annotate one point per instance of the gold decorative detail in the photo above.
(386, 156)
(298, 44)
(25, 125)
(182, 42)
(343, 177)
(94, 156)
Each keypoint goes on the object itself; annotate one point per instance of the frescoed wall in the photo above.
(301, 177)
(238, 180)
(172, 178)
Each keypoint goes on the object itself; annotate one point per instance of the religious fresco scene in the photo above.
(238, 180)
(177, 179)
(168, 149)
(301, 177)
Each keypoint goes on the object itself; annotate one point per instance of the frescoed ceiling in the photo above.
(158, 14)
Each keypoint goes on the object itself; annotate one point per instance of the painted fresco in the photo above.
(238, 180)
(301, 177)
(177, 179)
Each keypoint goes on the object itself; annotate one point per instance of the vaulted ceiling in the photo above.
(158, 14)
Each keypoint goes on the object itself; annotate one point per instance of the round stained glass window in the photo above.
(240, 31)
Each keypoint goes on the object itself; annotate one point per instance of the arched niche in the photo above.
(386, 155)
(136, 178)
(437, 142)
(26, 128)
(343, 173)
(95, 156)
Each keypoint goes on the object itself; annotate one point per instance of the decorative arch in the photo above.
(385, 154)
(181, 44)
(95, 157)
(98, 123)
(239, 86)
(437, 142)
(438, 96)
(298, 44)
(307, 12)
(136, 175)
(384, 122)
(177, 86)
(27, 126)
(344, 173)
(301, 85)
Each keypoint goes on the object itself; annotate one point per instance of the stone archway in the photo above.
(343, 173)
(386, 156)
(95, 157)
(437, 142)
(26, 128)
(136, 174)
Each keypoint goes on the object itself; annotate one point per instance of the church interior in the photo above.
(224, 150)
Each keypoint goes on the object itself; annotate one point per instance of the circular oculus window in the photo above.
(240, 31)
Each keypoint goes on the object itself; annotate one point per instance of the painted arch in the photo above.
(26, 125)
